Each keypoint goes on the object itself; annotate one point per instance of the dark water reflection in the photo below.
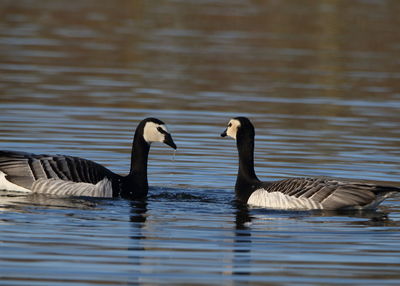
(320, 79)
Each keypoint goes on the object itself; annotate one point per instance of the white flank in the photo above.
(103, 189)
(278, 200)
(151, 134)
(8, 186)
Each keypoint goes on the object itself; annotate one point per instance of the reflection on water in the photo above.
(320, 80)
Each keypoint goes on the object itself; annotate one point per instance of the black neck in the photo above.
(246, 179)
(135, 184)
(139, 156)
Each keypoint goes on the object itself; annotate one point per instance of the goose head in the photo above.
(239, 127)
(154, 130)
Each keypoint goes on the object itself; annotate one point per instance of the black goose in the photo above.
(67, 175)
(296, 193)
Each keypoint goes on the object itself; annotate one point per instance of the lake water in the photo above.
(319, 79)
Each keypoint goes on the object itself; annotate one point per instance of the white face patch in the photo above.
(232, 129)
(151, 133)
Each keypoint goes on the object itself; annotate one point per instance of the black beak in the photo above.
(168, 140)
(223, 134)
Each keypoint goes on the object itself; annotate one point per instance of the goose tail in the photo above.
(7, 185)
(382, 193)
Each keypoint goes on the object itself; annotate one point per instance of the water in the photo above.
(319, 79)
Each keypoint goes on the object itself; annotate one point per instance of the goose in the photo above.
(74, 176)
(296, 193)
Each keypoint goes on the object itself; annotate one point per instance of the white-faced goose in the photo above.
(296, 193)
(74, 176)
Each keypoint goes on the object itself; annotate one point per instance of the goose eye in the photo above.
(230, 125)
(162, 131)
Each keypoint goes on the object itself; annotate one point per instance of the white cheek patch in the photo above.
(233, 128)
(151, 134)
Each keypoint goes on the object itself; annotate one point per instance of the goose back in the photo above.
(23, 169)
(320, 193)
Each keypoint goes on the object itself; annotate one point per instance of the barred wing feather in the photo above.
(23, 168)
(320, 193)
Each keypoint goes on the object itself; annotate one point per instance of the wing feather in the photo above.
(330, 193)
(46, 167)
(23, 168)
